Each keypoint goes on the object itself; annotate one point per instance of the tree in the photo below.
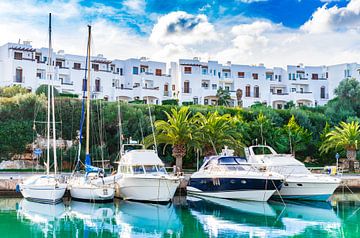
(345, 136)
(176, 131)
(349, 89)
(12, 91)
(43, 89)
(215, 131)
(293, 136)
(262, 128)
(223, 96)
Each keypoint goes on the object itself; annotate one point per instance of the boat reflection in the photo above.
(220, 217)
(92, 217)
(147, 220)
(46, 216)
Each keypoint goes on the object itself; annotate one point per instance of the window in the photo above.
(227, 88)
(97, 85)
(186, 87)
(135, 70)
(77, 66)
(158, 72)
(322, 92)
(327, 75)
(241, 74)
(206, 101)
(138, 169)
(226, 75)
(121, 71)
(314, 76)
(214, 86)
(214, 72)
(279, 106)
(18, 55)
(256, 92)
(293, 89)
(204, 71)
(247, 91)
(173, 87)
(279, 91)
(279, 78)
(150, 169)
(95, 67)
(38, 75)
(255, 76)
(19, 75)
(143, 69)
(196, 101)
(166, 87)
(58, 64)
(187, 70)
(205, 84)
(269, 76)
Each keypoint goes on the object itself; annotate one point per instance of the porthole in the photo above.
(243, 181)
(232, 181)
(299, 184)
(286, 184)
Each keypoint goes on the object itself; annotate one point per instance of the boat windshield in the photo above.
(149, 169)
(130, 147)
(262, 151)
(290, 169)
(231, 163)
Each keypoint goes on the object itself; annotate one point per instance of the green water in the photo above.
(186, 217)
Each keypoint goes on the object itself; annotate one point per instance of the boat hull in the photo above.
(43, 189)
(239, 188)
(247, 195)
(92, 193)
(147, 188)
(313, 191)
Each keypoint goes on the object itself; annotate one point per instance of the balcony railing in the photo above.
(186, 90)
(151, 88)
(18, 79)
(67, 83)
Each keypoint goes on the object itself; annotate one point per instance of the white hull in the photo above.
(149, 188)
(248, 195)
(308, 190)
(42, 189)
(83, 190)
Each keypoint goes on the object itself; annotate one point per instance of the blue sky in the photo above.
(274, 32)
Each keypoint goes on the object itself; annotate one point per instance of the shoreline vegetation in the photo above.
(314, 134)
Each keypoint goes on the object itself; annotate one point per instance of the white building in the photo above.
(188, 80)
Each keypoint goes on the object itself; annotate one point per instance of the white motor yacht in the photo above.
(299, 183)
(143, 176)
(232, 177)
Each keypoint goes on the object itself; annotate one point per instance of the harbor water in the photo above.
(185, 217)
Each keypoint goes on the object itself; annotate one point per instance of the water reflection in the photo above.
(191, 217)
(220, 217)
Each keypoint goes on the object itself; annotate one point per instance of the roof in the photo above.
(141, 157)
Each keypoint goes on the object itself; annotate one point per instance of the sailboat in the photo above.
(46, 188)
(92, 186)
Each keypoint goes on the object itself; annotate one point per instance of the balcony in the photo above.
(18, 79)
(67, 82)
(166, 93)
(186, 90)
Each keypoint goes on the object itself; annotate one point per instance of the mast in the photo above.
(120, 128)
(87, 159)
(52, 102)
(48, 101)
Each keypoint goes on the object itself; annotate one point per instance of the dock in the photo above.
(9, 180)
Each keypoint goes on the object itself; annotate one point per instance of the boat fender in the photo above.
(17, 188)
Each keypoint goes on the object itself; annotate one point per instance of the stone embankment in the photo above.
(8, 183)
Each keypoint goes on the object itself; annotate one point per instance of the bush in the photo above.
(174, 102)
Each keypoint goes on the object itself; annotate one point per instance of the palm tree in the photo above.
(223, 96)
(345, 136)
(214, 131)
(176, 131)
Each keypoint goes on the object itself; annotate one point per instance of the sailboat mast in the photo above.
(120, 128)
(52, 77)
(87, 161)
(48, 101)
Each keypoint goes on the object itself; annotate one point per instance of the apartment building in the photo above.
(128, 80)
(188, 80)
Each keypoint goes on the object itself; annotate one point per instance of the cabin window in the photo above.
(150, 169)
(138, 169)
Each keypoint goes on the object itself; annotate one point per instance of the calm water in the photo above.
(186, 217)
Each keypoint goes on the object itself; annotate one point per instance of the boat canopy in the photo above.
(267, 155)
(141, 157)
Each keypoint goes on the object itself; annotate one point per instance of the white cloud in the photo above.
(326, 19)
(181, 28)
(135, 6)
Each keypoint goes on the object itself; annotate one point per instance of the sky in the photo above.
(273, 32)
